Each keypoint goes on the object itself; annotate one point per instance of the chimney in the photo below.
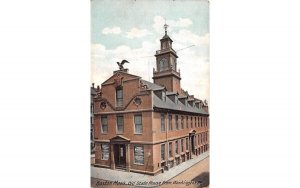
(93, 85)
(98, 88)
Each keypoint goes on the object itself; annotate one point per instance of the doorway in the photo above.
(120, 155)
(193, 144)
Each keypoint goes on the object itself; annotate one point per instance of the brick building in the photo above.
(93, 94)
(149, 127)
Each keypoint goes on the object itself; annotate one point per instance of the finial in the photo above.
(166, 26)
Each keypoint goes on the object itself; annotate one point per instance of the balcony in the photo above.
(165, 50)
(165, 72)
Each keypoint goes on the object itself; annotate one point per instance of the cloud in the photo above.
(137, 33)
(193, 62)
(113, 30)
(159, 21)
(187, 37)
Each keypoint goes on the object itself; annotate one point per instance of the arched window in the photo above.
(119, 96)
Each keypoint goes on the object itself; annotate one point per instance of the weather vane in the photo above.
(166, 26)
(121, 67)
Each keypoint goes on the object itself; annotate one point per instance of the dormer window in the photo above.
(163, 96)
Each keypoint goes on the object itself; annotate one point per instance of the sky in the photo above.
(131, 30)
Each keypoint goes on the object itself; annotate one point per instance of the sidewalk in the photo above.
(122, 176)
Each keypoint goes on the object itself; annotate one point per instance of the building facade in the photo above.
(93, 95)
(149, 127)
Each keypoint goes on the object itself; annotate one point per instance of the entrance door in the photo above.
(193, 143)
(120, 155)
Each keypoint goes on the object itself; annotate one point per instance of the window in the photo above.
(163, 94)
(199, 139)
(104, 151)
(182, 126)
(207, 122)
(198, 121)
(162, 152)
(182, 149)
(92, 120)
(187, 144)
(170, 122)
(138, 124)
(104, 126)
(187, 122)
(170, 149)
(176, 147)
(201, 121)
(120, 124)
(92, 108)
(119, 97)
(191, 122)
(195, 119)
(139, 154)
(162, 123)
(176, 118)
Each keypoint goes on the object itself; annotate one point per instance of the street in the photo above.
(195, 177)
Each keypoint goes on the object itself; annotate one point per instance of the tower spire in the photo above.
(166, 26)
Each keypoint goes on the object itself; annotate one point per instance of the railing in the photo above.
(165, 71)
(165, 50)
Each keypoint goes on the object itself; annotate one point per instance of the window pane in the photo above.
(176, 117)
(104, 124)
(162, 122)
(187, 122)
(138, 128)
(162, 152)
(105, 151)
(120, 124)
(138, 119)
(139, 154)
(103, 120)
(119, 93)
(170, 122)
(186, 144)
(170, 149)
(120, 120)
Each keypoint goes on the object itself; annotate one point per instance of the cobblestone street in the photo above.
(199, 174)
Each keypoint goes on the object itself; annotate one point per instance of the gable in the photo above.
(119, 138)
(120, 76)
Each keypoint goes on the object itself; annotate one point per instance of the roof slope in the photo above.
(152, 86)
(169, 104)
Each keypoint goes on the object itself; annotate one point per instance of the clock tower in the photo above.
(166, 73)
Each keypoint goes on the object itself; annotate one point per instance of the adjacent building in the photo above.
(149, 127)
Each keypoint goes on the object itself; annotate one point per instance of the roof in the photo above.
(152, 86)
(171, 93)
(166, 37)
(170, 105)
